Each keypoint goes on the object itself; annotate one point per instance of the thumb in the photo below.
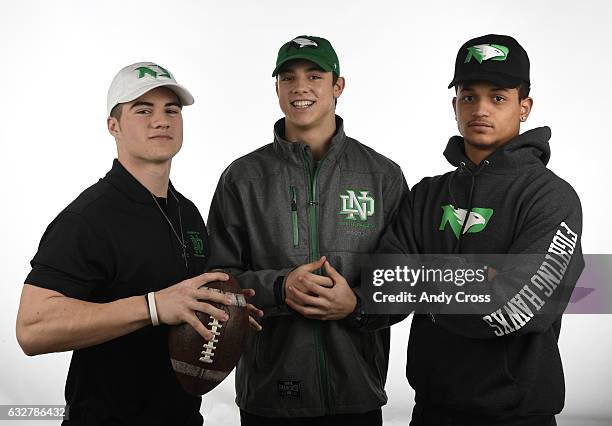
(317, 264)
(331, 271)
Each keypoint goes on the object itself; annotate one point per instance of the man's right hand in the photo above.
(178, 304)
(304, 274)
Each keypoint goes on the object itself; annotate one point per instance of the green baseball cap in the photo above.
(315, 49)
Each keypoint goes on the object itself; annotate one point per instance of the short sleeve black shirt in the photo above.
(113, 242)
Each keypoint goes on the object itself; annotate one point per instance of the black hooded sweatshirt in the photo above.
(473, 366)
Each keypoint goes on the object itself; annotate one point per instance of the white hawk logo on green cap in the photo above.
(301, 42)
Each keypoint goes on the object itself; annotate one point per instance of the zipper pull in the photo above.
(293, 199)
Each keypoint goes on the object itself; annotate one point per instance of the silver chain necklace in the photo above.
(180, 239)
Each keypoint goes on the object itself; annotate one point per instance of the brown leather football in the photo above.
(200, 365)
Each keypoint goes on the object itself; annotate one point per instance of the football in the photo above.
(200, 365)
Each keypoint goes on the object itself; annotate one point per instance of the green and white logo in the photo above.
(476, 221)
(154, 71)
(356, 205)
(485, 52)
(198, 244)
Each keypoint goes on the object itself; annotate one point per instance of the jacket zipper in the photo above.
(314, 255)
(312, 207)
(294, 217)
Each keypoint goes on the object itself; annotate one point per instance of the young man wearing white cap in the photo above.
(126, 256)
(288, 219)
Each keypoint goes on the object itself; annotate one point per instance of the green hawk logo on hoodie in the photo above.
(476, 221)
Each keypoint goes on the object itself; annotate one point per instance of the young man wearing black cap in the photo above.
(495, 367)
(126, 256)
(280, 218)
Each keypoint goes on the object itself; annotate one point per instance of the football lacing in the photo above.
(209, 347)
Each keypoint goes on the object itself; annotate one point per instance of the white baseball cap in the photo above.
(137, 79)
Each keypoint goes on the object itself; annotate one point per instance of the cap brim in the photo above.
(503, 80)
(185, 97)
(312, 58)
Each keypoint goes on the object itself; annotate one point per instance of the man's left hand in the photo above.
(323, 303)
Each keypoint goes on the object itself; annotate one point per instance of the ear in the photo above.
(339, 87)
(526, 105)
(454, 102)
(276, 86)
(113, 126)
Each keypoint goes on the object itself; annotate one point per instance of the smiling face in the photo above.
(150, 128)
(307, 95)
(488, 116)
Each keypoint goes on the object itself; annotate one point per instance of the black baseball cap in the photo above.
(499, 59)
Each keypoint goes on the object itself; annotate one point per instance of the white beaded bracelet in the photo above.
(152, 308)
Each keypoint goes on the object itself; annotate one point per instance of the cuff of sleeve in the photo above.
(51, 279)
(358, 318)
(279, 290)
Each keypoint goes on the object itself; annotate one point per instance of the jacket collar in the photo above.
(124, 182)
(293, 152)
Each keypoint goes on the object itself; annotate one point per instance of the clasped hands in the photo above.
(316, 296)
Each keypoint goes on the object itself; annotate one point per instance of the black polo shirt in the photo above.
(110, 243)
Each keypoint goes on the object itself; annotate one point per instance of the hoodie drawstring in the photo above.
(470, 199)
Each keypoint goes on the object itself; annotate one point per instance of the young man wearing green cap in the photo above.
(280, 218)
(120, 263)
(501, 367)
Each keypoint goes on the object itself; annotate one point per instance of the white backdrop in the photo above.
(58, 59)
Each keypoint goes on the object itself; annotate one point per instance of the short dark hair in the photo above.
(117, 109)
(284, 67)
(523, 89)
(116, 112)
(335, 78)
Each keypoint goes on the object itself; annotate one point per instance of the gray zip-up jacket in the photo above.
(275, 209)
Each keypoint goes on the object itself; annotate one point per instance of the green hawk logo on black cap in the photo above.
(302, 41)
(484, 52)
